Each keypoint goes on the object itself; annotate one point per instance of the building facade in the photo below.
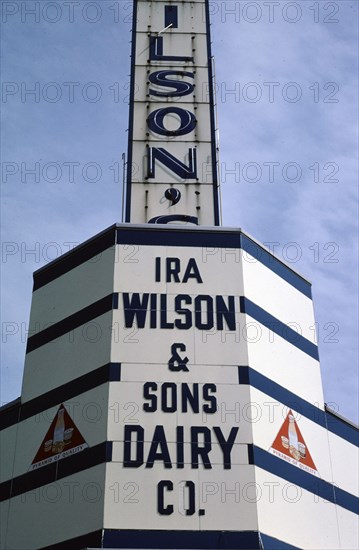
(172, 394)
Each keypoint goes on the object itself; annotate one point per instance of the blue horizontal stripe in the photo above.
(279, 268)
(214, 239)
(90, 540)
(276, 326)
(111, 372)
(79, 255)
(316, 486)
(168, 236)
(70, 465)
(73, 321)
(282, 395)
(342, 429)
(125, 538)
(171, 236)
(161, 539)
(269, 543)
(333, 424)
(346, 500)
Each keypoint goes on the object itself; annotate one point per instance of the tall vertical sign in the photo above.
(171, 163)
(172, 393)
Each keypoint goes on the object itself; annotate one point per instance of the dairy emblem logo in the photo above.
(62, 439)
(289, 445)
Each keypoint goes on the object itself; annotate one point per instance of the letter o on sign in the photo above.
(156, 121)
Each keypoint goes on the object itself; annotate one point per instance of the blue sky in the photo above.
(287, 107)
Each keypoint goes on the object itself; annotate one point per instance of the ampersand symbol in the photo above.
(176, 362)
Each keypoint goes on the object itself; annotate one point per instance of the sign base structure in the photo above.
(172, 398)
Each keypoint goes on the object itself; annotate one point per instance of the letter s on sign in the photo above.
(181, 88)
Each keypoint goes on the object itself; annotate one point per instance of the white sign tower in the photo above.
(172, 155)
(172, 394)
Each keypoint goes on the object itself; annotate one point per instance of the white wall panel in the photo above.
(46, 515)
(348, 524)
(295, 516)
(283, 363)
(345, 463)
(219, 493)
(72, 291)
(132, 262)
(4, 516)
(75, 353)
(8, 438)
(221, 346)
(131, 372)
(274, 294)
(133, 345)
